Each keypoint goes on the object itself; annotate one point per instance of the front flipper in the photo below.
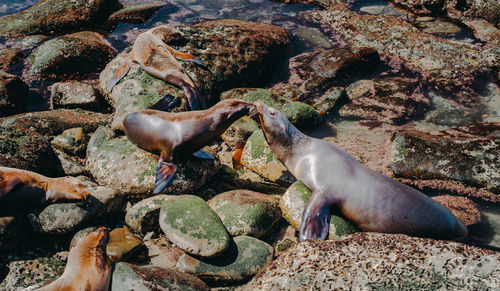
(166, 102)
(201, 154)
(164, 174)
(119, 74)
(315, 222)
(195, 101)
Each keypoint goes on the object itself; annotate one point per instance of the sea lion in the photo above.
(88, 266)
(21, 191)
(369, 199)
(172, 135)
(158, 59)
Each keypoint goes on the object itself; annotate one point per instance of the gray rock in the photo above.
(143, 216)
(367, 261)
(75, 95)
(238, 133)
(72, 141)
(193, 226)
(24, 274)
(13, 94)
(9, 57)
(162, 253)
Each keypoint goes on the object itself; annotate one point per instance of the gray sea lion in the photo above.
(88, 266)
(172, 135)
(158, 59)
(21, 191)
(367, 198)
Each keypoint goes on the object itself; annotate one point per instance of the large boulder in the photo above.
(143, 216)
(75, 95)
(23, 274)
(13, 94)
(381, 261)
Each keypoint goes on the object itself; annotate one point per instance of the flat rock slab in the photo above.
(246, 212)
(193, 226)
(143, 216)
(244, 259)
(131, 277)
(381, 261)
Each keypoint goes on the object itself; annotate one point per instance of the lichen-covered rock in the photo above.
(75, 95)
(258, 157)
(244, 259)
(293, 203)
(13, 94)
(71, 55)
(25, 138)
(135, 14)
(300, 114)
(143, 216)
(193, 226)
(121, 243)
(468, 154)
(437, 27)
(237, 53)
(383, 262)
(58, 16)
(23, 274)
(393, 100)
(246, 212)
(462, 207)
(238, 133)
(9, 57)
(119, 164)
(131, 277)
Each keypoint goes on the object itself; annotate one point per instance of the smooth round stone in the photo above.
(143, 216)
(142, 278)
(246, 212)
(193, 226)
(293, 203)
(244, 259)
(121, 243)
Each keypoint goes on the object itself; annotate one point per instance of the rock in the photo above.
(71, 140)
(70, 165)
(25, 138)
(237, 53)
(258, 156)
(193, 226)
(135, 14)
(163, 253)
(244, 259)
(381, 261)
(118, 164)
(467, 154)
(131, 277)
(452, 67)
(13, 94)
(121, 243)
(283, 239)
(437, 27)
(57, 17)
(143, 216)
(70, 56)
(27, 43)
(75, 95)
(444, 112)
(246, 212)
(9, 57)
(24, 274)
(238, 133)
(394, 100)
(462, 207)
(293, 203)
(300, 114)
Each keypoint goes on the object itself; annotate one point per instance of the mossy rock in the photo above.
(246, 212)
(193, 226)
(238, 133)
(143, 216)
(293, 203)
(300, 114)
(243, 260)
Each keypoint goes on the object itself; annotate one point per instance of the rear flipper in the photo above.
(195, 101)
(119, 74)
(164, 174)
(315, 222)
(201, 154)
(186, 57)
(166, 102)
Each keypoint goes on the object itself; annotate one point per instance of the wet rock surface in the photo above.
(384, 261)
(13, 94)
(75, 95)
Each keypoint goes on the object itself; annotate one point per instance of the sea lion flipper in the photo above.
(166, 102)
(164, 174)
(195, 100)
(201, 154)
(315, 222)
(119, 74)
(180, 56)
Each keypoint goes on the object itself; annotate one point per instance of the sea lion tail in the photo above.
(119, 74)
(164, 174)
(196, 102)
(166, 102)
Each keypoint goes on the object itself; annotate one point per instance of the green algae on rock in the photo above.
(244, 259)
(238, 133)
(143, 216)
(293, 203)
(193, 226)
(246, 212)
(131, 277)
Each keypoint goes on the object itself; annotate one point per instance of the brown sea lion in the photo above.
(158, 59)
(367, 198)
(88, 266)
(172, 135)
(21, 191)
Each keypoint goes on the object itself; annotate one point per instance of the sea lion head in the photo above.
(90, 251)
(233, 109)
(66, 188)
